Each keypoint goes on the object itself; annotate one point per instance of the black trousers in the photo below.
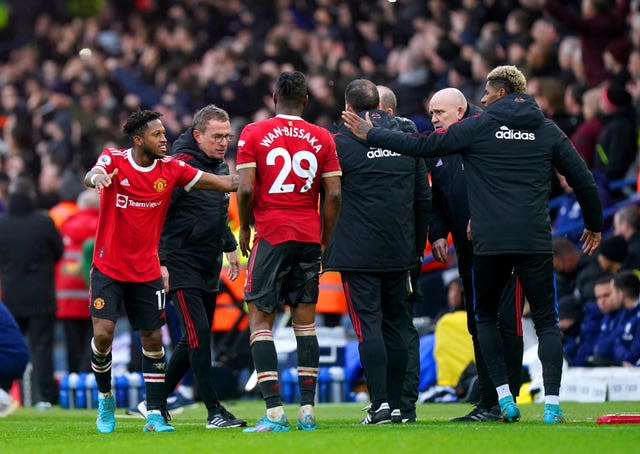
(535, 274)
(412, 376)
(510, 325)
(195, 308)
(78, 334)
(378, 309)
(39, 332)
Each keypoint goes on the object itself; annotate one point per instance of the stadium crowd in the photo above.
(73, 72)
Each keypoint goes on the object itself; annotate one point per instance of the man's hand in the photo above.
(244, 238)
(101, 181)
(357, 125)
(469, 231)
(591, 241)
(234, 265)
(440, 250)
(164, 272)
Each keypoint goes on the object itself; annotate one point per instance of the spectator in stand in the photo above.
(601, 353)
(633, 86)
(612, 255)
(625, 224)
(550, 97)
(579, 339)
(72, 292)
(616, 59)
(585, 137)
(600, 22)
(30, 246)
(617, 144)
(14, 356)
(575, 271)
(626, 290)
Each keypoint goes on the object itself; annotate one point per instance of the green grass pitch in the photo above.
(73, 431)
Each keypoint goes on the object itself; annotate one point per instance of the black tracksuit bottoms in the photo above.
(378, 309)
(195, 308)
(510, 322)
(535, 274)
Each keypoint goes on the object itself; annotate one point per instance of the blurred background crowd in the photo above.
(71, 72)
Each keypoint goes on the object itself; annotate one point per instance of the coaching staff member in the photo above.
(509, 153)
(380, 231)
(451, 214)
(194, 236)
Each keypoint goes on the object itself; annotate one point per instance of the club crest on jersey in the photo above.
(160, 185)
(98, 303)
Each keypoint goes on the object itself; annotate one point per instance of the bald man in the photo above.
(451, 214)
(509, 152)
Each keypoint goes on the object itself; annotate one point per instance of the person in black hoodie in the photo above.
(509, 153)
(193, 239)
(30, 246)
(380, 233)
(451, 214)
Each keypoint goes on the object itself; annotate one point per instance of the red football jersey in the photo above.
(290, 156)
(132, 213)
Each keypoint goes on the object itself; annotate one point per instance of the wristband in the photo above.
(92, 180)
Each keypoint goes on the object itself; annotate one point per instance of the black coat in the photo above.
(509, 153)
(196, 232)
(30, 246)
(385, 201)
(450, 203)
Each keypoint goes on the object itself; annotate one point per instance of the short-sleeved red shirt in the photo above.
(290, 156)
(132, 213)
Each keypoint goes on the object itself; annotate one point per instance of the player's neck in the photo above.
(286, 110)
(141, 158)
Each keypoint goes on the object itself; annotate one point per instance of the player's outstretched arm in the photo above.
(222, 183)
(99, 179)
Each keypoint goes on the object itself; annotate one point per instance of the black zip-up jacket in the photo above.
(30, 246)
(385, 201)
(196, 232)
(509, 152)
(450, 203)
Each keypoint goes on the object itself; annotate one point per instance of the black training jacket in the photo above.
(195, 232)
(450, 204)
(385, 201)
(509, 153)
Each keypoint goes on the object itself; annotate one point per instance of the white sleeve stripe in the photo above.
(194, 181)
(335, 173)
(246, 165)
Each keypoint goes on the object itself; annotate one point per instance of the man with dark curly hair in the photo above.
(135, 187)
(509, 153)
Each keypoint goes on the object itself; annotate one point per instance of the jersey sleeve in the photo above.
(245, 156)
(186, 175)
(331, 167)
(104, 163)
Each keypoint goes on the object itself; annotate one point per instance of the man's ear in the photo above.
(197, 136)
(137, 140)
(348, 108)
